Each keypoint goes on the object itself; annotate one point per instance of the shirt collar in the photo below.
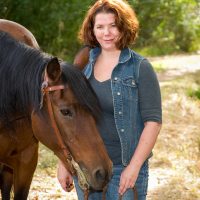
(125, 54)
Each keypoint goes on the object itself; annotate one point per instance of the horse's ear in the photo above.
(53, 70)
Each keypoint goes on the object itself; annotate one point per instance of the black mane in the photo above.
(21, 69)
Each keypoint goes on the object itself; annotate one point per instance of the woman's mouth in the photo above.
(110, 40)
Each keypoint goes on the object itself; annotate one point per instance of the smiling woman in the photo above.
(129, 95)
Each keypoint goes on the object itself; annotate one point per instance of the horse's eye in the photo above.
(67, 112)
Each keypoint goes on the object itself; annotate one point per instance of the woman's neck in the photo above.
(110, 54)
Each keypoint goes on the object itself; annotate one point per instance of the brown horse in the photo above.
(62, 117)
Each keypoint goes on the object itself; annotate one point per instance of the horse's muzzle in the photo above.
(98, 177)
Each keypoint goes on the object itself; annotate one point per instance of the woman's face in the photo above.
(106, 31)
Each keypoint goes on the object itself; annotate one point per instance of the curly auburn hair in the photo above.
(126, 22)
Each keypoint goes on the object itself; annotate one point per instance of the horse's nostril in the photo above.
(100, 175)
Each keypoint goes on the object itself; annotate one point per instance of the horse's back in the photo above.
(82, 57)
(19, 32)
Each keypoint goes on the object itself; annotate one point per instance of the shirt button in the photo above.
(120, 112)
(122, 130)
(118, 93)
(115, 78)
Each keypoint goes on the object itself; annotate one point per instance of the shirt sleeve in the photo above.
(149, 93)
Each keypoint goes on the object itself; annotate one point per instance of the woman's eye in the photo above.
(66, 112)
(99, 27)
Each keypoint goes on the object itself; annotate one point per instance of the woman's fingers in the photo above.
(64, 177)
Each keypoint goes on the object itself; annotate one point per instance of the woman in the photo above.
(129, 94)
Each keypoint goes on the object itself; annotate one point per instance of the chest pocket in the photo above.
(130, 89)
(129, 81)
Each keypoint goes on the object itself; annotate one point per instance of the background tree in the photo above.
(168, 26)
(165, 26)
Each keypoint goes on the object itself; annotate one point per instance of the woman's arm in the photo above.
(143, 150)
(151, 113)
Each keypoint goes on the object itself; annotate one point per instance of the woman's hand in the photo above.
(64, 177)
(128, 178)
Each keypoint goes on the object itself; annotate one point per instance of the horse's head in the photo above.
(74, 106)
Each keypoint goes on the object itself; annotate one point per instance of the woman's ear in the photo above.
(53, 70)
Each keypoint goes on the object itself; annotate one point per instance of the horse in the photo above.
(22, 34)
(44, 99)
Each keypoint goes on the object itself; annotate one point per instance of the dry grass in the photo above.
(175, 166)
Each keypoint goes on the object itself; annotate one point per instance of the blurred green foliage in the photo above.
(168, 26)
(194, 93)
(165, 26)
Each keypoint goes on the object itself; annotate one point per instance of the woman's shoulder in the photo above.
(94, 52)
(144, 62)
(136, 55)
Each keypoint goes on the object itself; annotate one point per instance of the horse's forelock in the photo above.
(81, 89)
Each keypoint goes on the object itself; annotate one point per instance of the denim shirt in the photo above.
(124, 86)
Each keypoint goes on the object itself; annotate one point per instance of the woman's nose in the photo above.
(106, 31)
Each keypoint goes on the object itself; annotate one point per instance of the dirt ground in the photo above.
(175, 166)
